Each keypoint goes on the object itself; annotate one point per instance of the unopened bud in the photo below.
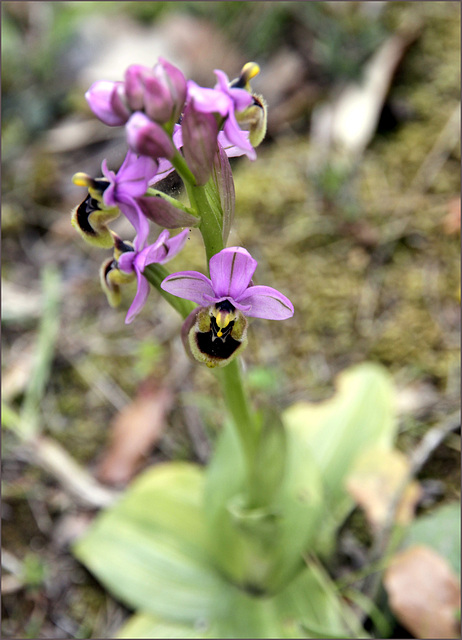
(200, 131)
(148, 138)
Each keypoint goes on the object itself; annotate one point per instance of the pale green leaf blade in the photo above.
(312, 600)
(439, 530)
(359, 415)
(151, 548)
(145, 625)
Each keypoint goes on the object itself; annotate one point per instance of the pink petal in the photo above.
(139, 299)
(238, 137)
(174, 245)
(231, 271)
(190, 285)
(266, 302)
(135, 216)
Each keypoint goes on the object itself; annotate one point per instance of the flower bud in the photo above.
(104, 100)
(134, 86)
(148, 138)
(159, 92)
(177, 84)
(215, 335)
(200, 131)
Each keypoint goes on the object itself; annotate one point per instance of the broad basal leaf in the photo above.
(151, 549)
(360, 415)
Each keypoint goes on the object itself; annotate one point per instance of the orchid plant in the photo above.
(232, 550)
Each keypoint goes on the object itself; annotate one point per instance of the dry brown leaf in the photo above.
(424, 593)
(374, 481)
(135, 429)
(451, 221)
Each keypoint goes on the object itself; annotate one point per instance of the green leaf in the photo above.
(359, 415)
(308, 607)
(262, 547)
(440, 530)
(152, 551)
(151, 548)
(313, 601)
(145, 625)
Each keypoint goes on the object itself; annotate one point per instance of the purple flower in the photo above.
(225, 101)
(231, 272)
(129, 183)
(161, 251)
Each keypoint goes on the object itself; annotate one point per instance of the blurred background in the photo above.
(352, 210)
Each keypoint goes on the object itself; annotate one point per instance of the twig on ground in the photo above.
(75, 480)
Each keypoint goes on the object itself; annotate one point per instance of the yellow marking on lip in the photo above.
(223, 318)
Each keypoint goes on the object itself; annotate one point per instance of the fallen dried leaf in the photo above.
(135, 429)
(451, 221)
(423, 593)
(374, 481)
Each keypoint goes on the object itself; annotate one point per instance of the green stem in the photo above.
(155, 274)
(238, 407)
(183, 170)
(211, 222)
(211, 228)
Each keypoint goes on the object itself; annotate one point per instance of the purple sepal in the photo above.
(223, 179)
(165, 214)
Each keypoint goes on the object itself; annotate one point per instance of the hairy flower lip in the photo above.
(231, 271)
